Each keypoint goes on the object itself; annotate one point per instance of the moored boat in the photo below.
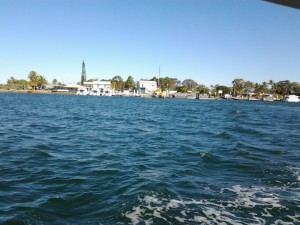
(291, 98)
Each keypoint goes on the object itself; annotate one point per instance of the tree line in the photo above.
(239, 86)
(36, 82)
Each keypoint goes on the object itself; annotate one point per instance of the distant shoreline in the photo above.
(182, 96)
(35, 92)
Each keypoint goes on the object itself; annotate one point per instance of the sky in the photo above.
(209, 41)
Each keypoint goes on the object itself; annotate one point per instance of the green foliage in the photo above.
(181, 89)
(129, 83)
(117, 83)
(167, 83)
(224, 89)
(283, 87)
(272, 87)
(261, 89)
(83, 73)
(238, 86)
(36, 81)
(17, 84)
(295, 87)
(189, 84)
(54, 82)
(203, 89)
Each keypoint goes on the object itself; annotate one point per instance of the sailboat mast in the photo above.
(158, 75)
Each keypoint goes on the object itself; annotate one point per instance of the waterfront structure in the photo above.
(97, 88)
(72, 88)
(146, 86)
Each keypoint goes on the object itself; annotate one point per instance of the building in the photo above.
(146, 86)
(97, 85)
(96, 88)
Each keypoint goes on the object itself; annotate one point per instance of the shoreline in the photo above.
(180, 96)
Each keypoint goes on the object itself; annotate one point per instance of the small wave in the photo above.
(282, 176)
(209, 157)
(225, 135)
(254, 205)
(42, 154)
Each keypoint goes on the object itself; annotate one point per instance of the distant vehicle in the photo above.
(291, 98)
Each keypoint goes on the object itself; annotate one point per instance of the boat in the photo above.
(291, 98)
(60, 90)
(82, 91)
(95, 92)
(108, 93)
(158, 93)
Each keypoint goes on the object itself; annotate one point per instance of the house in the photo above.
(146, 86)
(102, 86)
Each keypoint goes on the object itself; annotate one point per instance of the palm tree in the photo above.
(41, 82)
(248, 86)
(238, 86)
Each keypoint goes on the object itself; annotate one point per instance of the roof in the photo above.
(148, 81)
(289, 3)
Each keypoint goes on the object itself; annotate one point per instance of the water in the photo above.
(118, 160)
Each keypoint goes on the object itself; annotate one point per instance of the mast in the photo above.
(158, 75)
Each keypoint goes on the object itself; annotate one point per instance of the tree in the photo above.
(33, 79)
(118, 83)
(284, 87)
(17, 84)
(203, 89)
(167, 83)
(272, 87)
(177, 82)
(36, 81)
(54, 81)
(11, 81)
(129, 83)
(261, 89)
(224, 89)
(22, 84)
(248, 88)
(213, 89)
(41, 82)
(238, 86)
(295, 87)
(181, 89)
(83, 73)
(189, 84)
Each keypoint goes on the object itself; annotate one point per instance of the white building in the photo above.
(97, 85)
(98, 88)
(146, 86)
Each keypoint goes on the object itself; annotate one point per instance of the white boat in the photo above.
(95, 92)
(108, 93)
(60, 90)
(292, 98)
(82, 91)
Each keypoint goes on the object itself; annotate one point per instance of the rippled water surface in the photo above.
(121, 160)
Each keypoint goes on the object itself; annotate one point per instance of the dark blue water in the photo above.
(118, 160)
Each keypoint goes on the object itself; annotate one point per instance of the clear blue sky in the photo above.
(209, 41)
